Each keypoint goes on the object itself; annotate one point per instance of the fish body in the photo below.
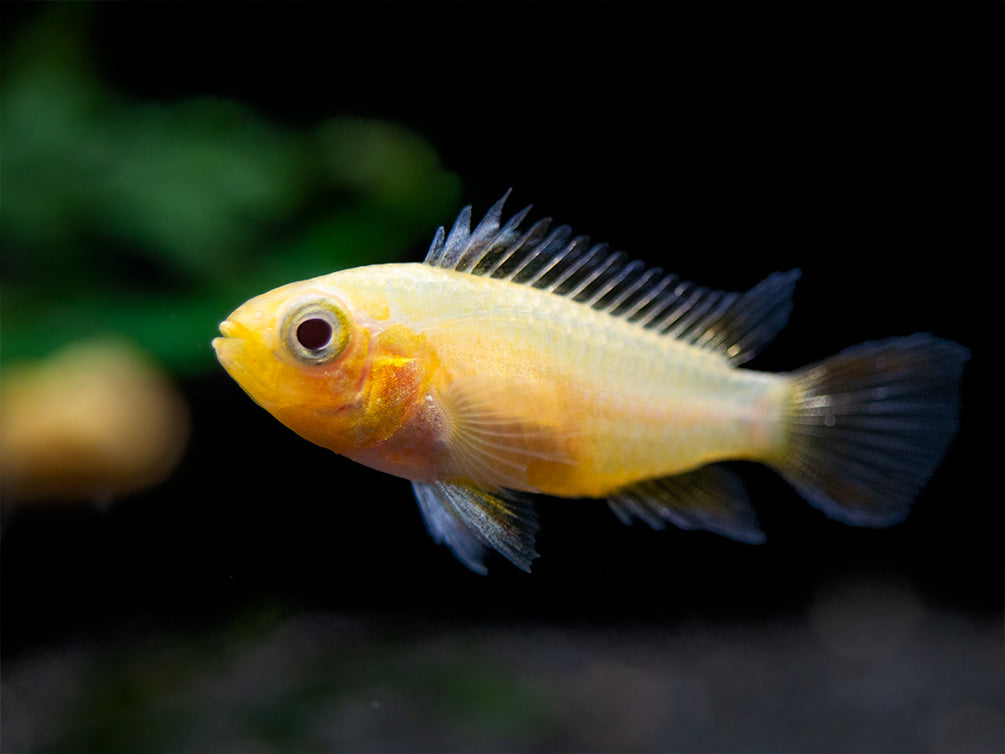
(527, 361)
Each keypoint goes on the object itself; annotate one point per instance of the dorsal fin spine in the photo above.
(674, 310)
(592, 276)
(606, 284)
(703, 302)
(500, 242)
(732, 324)
(574, 268)
(555, 238)
(435, 252)
(555, 260)
(609, 284)
(548, 266)
(461, 229)
(651, 299)
(500, 239)
(632, 290)
(712, 333)
(622, 278)
(485, 236)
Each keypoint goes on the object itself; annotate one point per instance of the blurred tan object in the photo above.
(94, 421)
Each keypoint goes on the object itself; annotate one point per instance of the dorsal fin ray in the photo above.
(737, 325)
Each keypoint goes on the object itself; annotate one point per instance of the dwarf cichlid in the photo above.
(518, 361)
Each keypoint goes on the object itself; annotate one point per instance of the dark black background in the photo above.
(859, 142)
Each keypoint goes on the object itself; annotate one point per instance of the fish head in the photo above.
(301, 352)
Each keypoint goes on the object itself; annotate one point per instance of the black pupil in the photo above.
(314, 334)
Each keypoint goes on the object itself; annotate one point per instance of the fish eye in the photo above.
(314, 334)
(316, 330)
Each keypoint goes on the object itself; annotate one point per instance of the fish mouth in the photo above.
(228, 347)
(221, 344)
(227, 329)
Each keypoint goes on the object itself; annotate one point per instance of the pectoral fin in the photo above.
(506, 433)
(710, 498)
(471, 521)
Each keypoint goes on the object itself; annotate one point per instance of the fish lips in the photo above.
(229, 347)
(232, 353)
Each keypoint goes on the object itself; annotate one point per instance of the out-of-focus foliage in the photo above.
(317, 685)
(153, 220)
(271, 679)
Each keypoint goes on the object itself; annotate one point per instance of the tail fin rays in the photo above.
(868, 427)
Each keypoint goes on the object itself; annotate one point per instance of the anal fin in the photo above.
(471, 521)
(710, 498)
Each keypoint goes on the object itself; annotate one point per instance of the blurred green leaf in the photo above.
(299, 683)
(155, 220)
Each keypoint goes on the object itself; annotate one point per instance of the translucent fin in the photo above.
(734, 324)
(868, 427)
(461, 249)
(710, 498)
(497, 429)
(471, 521)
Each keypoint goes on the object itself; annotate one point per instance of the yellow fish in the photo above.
(520, 361)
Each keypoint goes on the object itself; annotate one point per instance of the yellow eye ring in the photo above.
(316, 330)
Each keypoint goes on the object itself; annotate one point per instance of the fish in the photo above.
(520, 360)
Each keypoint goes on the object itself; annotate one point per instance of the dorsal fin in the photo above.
(736, 325)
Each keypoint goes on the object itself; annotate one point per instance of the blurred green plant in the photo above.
(154, 220)
(284, 681)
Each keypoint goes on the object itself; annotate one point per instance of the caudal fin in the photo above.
(868, 427)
